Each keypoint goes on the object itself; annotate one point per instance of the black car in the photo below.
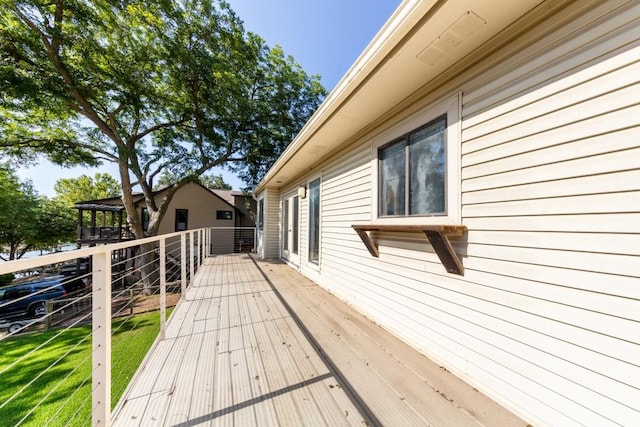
(28, 299)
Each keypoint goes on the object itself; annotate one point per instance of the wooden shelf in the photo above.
(438, 236)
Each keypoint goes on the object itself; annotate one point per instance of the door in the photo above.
(290, 229)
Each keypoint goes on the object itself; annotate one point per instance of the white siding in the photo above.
(550, 196)
(272, 223)
(547, 316)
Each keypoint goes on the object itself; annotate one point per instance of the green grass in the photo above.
(62, 368)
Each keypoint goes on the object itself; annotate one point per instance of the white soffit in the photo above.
(417, 44)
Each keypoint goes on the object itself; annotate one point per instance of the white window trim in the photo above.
(451, 107)
(284, 196)
(260, 232)
(308, 263)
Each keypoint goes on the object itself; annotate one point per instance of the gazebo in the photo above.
(107, 224)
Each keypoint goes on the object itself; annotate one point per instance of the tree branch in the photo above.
(86, 108)
(152, 129)
(57, 27)
(36, 142)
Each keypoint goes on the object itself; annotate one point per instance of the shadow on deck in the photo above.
(256, 343)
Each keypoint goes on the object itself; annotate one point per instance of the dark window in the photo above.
(314, 221)
(144, 217)
(182, 216)
(46, 288)
(224, 215)
(285, 227)
(296, 203)
(412, 172)
(260, 214)
(16, 293)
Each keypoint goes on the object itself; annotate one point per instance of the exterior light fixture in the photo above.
(302, 191)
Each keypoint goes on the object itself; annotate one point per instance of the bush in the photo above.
(6, 279)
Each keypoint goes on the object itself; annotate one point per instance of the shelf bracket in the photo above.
(438, 236)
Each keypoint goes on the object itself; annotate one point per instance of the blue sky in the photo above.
(324, 37)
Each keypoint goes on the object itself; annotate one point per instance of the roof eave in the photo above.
(398, 25)
(412, 49)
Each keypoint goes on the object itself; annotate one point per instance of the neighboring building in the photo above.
(193, 206)
(244, 204)
(243, 234)
(511, 130)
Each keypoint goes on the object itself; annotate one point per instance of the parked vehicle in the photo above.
(28, 299)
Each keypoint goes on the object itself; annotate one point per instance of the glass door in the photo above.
(290, 229)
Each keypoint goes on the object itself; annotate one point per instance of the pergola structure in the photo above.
(107, 224)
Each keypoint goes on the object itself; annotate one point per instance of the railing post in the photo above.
(197, 249)
(207, 233)
(183, 264)
(255, 240)
(163, 287)
(48, 313)
(101, 336)
(205, 240)
(204, 245)
(191, 258)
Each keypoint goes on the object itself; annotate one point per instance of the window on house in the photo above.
(144, 218)
(224, 215)
(182, 216)
(296, 203)
(285, 225)
(260, 214)
(413, 172)
(314, 221)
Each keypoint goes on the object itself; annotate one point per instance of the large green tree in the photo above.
(73, 190)
(211, 181)
(151, 86)
(28, 221)
(18, 213)
(55, 224)
(70, 191)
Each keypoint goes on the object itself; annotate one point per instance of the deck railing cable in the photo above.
(130, 283)
(97, 312)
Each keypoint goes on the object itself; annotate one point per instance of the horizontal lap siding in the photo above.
(272, 223)
(346, 200)
(551, 197)
(547, 316)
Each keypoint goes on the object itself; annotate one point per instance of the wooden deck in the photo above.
(256, 343)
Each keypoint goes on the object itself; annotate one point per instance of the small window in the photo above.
(224, 215)
(46, 288)
(412, 172)
(260, 214)
(182, 216)
(16, 293)
(144, 218)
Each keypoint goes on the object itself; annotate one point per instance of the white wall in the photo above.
(271, 241)
(547, 316)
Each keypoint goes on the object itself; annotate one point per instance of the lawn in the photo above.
(56, 377)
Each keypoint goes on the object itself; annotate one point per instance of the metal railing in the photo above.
(106, 233)
(56, 362)
(225, 240)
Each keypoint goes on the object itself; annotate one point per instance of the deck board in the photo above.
(256, 343)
